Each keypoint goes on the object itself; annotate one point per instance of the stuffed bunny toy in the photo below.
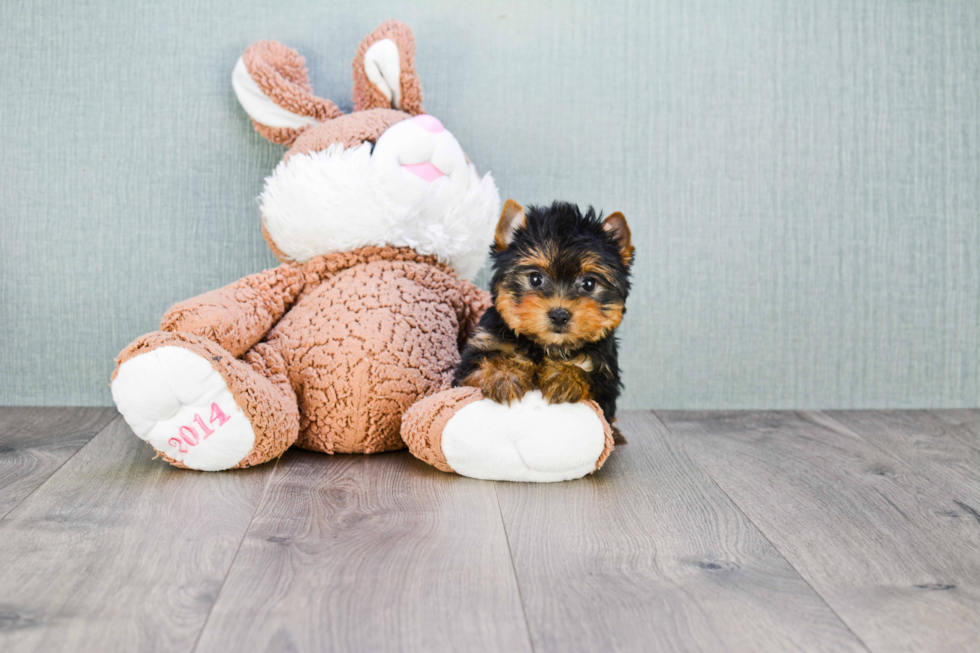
(379, 218)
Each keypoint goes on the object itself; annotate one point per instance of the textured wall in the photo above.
(802, 178)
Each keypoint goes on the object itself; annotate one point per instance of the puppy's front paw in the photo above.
(505, 381)
(563, 383)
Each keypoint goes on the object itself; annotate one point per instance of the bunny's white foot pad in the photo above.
(176, 401)
(530, 440)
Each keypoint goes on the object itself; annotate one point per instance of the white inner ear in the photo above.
(516, 221)
(383, 68)
(259, 106)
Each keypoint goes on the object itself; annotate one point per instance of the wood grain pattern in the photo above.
(878, 540)
(120, 552)
(968, 418)
(370, 553)
(722, 531)
(942, 445)
(650, 555)
(35, 442)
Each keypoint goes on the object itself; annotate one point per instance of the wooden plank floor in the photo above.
(709, 531)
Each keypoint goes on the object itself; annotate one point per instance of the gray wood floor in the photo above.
(709, 531)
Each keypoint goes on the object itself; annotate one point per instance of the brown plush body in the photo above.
(334, 350)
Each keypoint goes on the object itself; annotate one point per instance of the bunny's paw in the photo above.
(458, 430)
(174, 399)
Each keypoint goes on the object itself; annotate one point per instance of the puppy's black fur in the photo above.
(559, 289)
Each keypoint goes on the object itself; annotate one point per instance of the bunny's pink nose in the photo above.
(429, 123)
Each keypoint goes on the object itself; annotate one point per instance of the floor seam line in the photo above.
(65, 462)
(513, 568)
(238, 550)
(680, 442)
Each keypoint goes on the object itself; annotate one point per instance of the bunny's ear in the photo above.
(273, 87)
(384, 70)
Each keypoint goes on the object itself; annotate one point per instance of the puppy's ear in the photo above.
(384, 70)
(616, 225)
(272, 85)
(511, 219)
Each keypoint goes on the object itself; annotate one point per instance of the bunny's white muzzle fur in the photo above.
(414, 190)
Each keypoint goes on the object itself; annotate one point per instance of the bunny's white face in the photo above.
(413, 188)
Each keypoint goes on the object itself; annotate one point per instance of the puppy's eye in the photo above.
(589, 284)
(535, 279)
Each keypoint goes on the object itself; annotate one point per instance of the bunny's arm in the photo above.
(238, 315)
(474, 303)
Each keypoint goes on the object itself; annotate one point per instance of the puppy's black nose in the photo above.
(559, 316)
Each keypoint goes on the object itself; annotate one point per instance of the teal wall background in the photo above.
(802, 177)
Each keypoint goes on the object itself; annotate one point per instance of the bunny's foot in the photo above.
(458, 430)
(200, 407)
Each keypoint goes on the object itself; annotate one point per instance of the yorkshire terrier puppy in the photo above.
(559, 287)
